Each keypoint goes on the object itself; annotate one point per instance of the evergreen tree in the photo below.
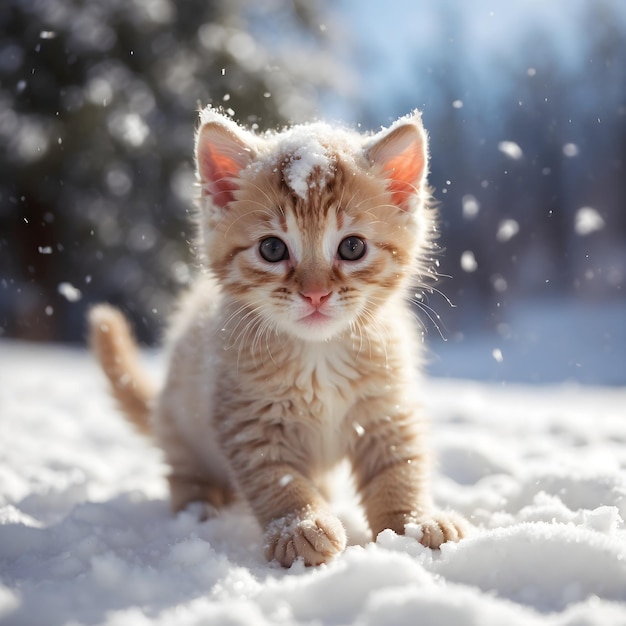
(98, 104)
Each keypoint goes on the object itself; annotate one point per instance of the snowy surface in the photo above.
(539, 341)
(86, 536)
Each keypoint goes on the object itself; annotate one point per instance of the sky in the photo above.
(388, 41)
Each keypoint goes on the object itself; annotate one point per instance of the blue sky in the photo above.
(384, 43)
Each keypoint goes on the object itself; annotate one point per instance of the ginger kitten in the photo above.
(297, 348)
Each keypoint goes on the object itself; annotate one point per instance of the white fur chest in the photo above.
(324, 388)
(300, 392)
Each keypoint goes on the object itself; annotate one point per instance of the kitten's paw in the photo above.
(315, 539)
(439, 528)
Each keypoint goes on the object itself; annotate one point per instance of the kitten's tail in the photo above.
(113, 343)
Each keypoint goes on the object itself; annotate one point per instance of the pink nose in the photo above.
(316, 297)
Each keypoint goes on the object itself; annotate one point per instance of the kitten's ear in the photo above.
(222, 152)
(401, 154)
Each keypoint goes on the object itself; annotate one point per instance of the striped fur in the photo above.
(279, 371)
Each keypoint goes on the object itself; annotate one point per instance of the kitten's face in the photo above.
(312, 236)
(318, 266)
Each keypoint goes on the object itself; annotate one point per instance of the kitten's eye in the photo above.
(273, 250)
(352, 248)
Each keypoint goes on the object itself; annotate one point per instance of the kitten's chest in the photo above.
(305, 393)
(323, 387)
(322, 379)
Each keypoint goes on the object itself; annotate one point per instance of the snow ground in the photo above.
(542, 341)
(86, 536)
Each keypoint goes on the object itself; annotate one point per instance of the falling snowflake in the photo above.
(69, 292)
(507, 230)
(511, 149)
(468, 261)
(588, 220)
(471, 207)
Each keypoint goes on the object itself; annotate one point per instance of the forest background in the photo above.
(525, 107)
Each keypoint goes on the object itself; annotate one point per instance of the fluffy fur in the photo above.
(297, 348)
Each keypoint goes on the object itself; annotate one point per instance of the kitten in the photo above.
(297, 349)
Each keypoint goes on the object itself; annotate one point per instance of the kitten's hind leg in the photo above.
(208, 497)
(192, 480)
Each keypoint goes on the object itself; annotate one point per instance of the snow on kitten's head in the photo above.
(314, 228)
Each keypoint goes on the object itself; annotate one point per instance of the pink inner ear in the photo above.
(405, 175)
(401, 155)
(221, 157)
(216, 172)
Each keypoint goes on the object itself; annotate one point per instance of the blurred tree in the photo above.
(98, 103)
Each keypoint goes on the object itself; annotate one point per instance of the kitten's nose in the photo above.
(316, 297)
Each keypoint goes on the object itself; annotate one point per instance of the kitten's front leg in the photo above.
(272, 476)
(391, 464)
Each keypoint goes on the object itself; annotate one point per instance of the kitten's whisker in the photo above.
(264, 210)
(260, 333)
(243, 215)
(431, 289)
(229, 179)
(355, 329)
(270, 329)
(271, 202)
(250, 320)
(251, 326)
(430, 312)
(372, 198)
(374, 326)
(234, 314)
(241, 320)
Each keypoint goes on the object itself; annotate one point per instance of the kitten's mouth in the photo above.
(317, 317)
(316, 326)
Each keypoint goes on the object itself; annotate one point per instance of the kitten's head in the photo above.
(314, 228)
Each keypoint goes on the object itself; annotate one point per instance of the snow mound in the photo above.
(86, 536)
